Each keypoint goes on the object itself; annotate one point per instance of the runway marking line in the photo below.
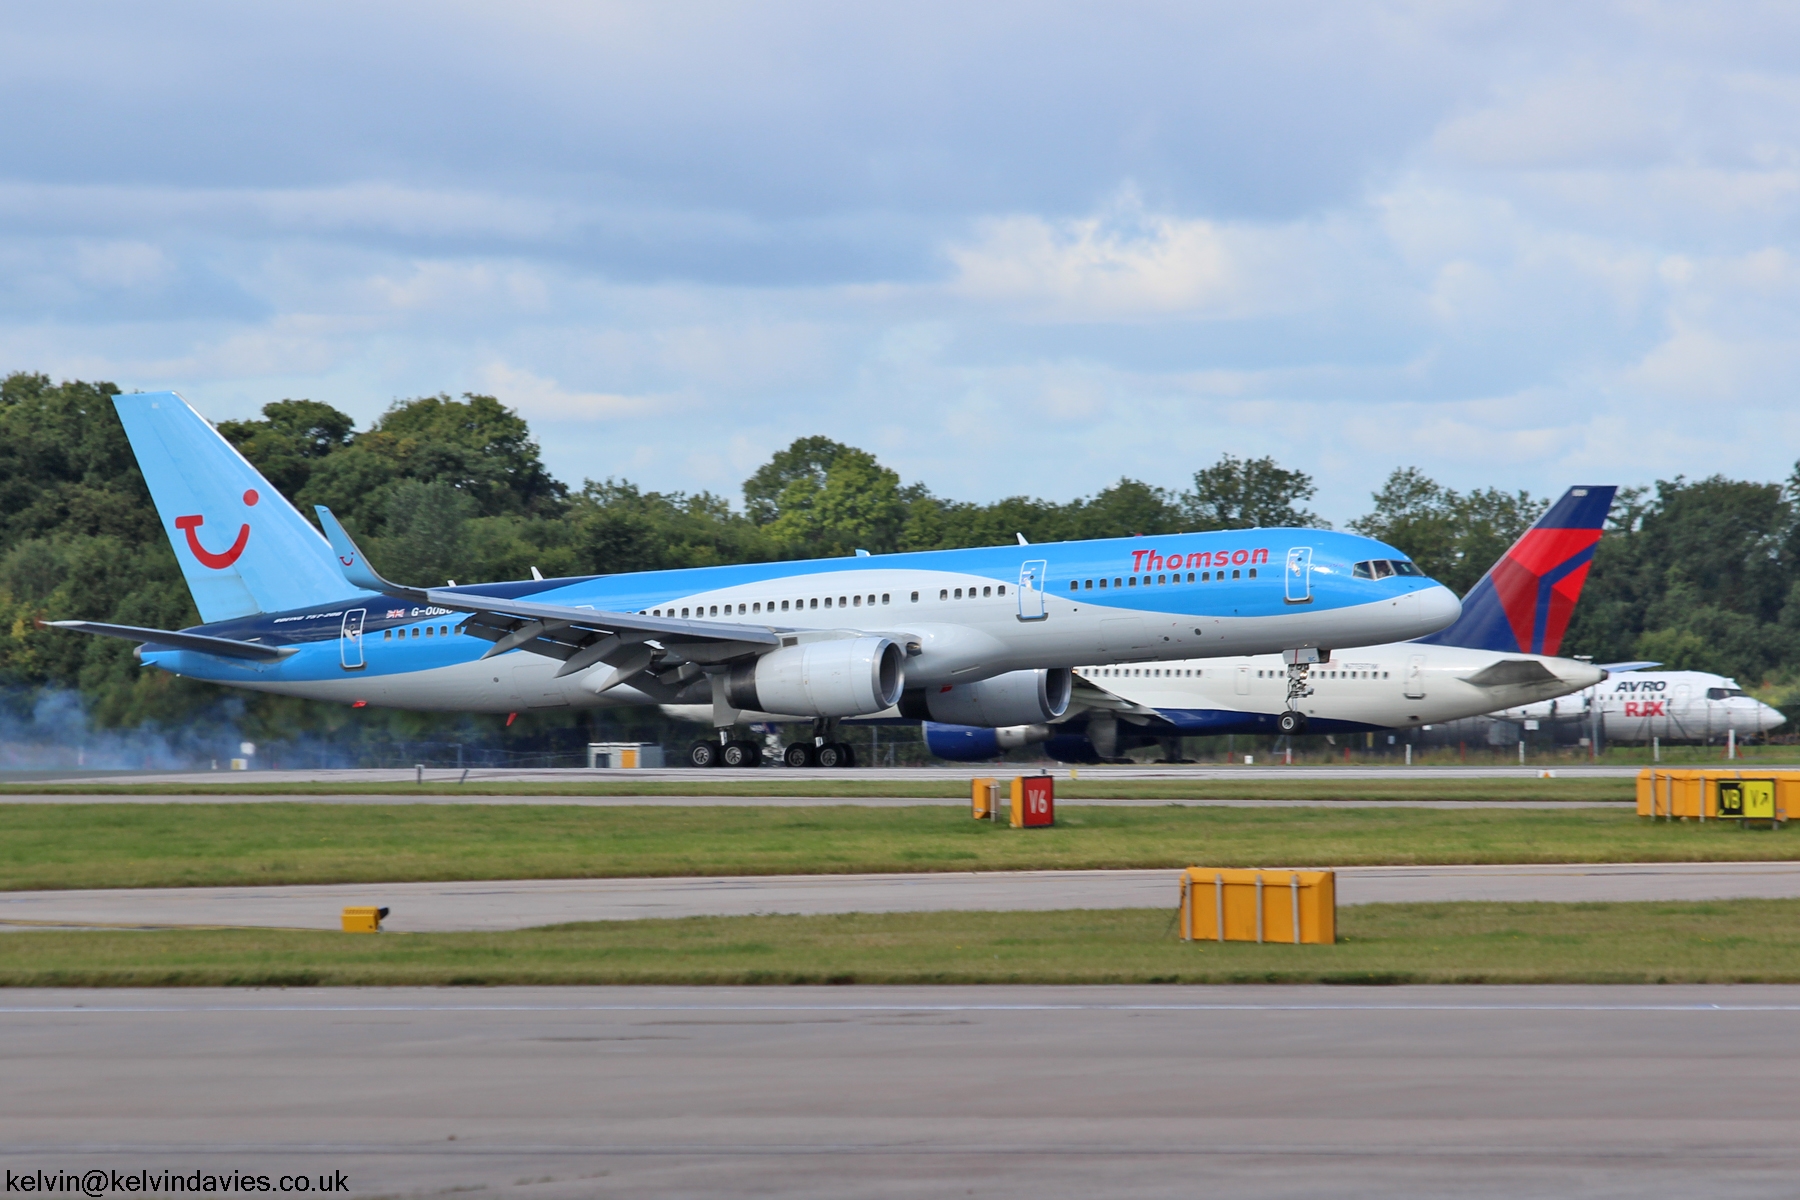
(86, 1009)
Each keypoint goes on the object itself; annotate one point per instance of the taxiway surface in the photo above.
(520, 904)
(1577, 1092)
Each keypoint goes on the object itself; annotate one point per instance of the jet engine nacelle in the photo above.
(972, 743)
(848, 677)
(1015, 698)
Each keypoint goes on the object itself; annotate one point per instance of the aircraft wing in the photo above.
(580, 637)
(163, 638)
(1087, 695)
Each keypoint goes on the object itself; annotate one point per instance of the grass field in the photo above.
(1741, 941)
(170, 845)
(1247, 787)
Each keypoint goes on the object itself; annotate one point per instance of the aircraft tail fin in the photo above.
(242, 547)
(1524, 602)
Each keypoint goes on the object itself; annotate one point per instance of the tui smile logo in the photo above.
(217, 562)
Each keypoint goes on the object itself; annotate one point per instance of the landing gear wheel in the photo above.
(703, 754)
(1291, 722)
(835, 754)
(800, 754)
(742, 754)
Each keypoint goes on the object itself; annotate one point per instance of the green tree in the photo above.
(289, 441)
(1247, 493)
(1453, 536)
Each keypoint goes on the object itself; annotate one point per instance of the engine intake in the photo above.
(1015, 698)
(849, 677)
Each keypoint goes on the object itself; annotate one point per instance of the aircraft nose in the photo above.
(1438, 607)
(1768, 717)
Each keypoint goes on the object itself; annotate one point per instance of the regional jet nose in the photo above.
(1768, 717)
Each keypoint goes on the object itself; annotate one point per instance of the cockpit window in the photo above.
(1723, 693)
(1383, 568)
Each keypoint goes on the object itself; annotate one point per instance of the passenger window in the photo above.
(387, 635)
(1090, 585)
(987, 591)
(1234, 574)
(943, 593)
(1001, 590)
(841, 600)
(428, 634)
(1133, 581)
(884, 597)
(1162, 579)
(959, 593)
(828, 602)
(1103, 584)
(815, 602)
(784, 606)
(915, 597)
(1253, 572)
(1190, 577)
(858, 603)
(715, 610)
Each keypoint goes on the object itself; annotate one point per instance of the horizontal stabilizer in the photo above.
(158, 639)
(1511, 672)
(1615, 668)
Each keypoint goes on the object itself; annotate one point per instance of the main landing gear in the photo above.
(725, 754)
(821, 751)
(1299, 667)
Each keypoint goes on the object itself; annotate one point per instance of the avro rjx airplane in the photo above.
(286, 611)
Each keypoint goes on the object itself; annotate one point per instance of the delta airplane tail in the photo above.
(242, 547)
(1524, 602)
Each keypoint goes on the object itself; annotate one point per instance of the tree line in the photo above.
(1696, 574)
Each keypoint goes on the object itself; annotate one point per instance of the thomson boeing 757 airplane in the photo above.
(284, 610)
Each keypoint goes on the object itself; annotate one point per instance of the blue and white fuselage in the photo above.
(962, 616)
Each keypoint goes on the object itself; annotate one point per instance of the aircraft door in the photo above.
(1243, 681)
(1031, 590)
(1415, 677)
(1299, 575)
(350, 647)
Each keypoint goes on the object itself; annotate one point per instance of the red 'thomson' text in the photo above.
(1150, 560)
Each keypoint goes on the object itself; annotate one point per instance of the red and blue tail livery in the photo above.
(1524, 602)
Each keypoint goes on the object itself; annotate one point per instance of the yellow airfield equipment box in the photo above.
(1226, 904)
(1708, 794)
(983, 796)
(363, 919)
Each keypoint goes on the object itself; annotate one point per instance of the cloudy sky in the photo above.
(1008, 247)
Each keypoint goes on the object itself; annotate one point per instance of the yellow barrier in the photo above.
(1716, 793)
(983, 798)
(363, 919)
(1244, 905)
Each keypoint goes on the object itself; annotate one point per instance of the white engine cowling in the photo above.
(849, 677)
(1015, 698)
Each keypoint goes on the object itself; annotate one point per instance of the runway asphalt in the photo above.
(519, 904)
(688, 775)
(999, 1092)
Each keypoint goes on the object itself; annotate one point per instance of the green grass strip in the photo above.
(1745, 941)
(1244, 786)
(177, 845)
